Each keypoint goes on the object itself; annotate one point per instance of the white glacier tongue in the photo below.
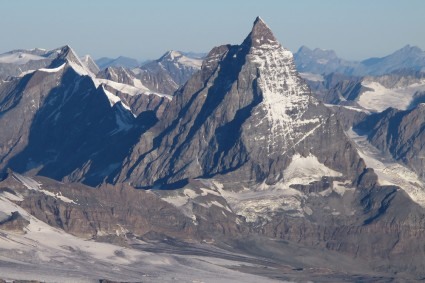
(286, 97)
(389, 171)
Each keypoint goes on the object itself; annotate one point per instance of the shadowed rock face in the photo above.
(57, 123)
(117, 74)
(400, 134)
(245, 114)
(169, 72)
(146, 100)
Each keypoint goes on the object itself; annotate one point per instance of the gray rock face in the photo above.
(14, 222)
(90, 64)
(117, 74)
(400, 134)
(169, 72)
(94, 213)
(57, 123)
(345, 91)
(244, 115)
(144, 100)
(355, 98)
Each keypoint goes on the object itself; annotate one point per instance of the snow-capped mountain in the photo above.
(168, 73)
(246, 113)
(90, 64)
(401, 90)
(47, 113)
(241, 168)
(19, 62)
(245, 136)
(399, 134)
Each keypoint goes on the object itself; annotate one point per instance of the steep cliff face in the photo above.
(168, 73)
(60, 122)
(400, 134)
(244, 115)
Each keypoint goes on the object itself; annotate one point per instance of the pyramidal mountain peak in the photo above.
(247, 112)
(261, 35)
(67, 55)
(240, 157)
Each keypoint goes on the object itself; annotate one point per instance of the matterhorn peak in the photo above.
(261, 35)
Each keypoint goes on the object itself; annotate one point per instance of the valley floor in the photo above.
(65, 258)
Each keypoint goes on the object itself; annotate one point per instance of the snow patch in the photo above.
(111, 97)
(285, 97)
(138, 89)
(57, 196)
(190, 62)
(312, 77)
(389, 171)
(348, 108)
(380, 98)
(32, 184)
(304, 170)
(262, 202)
(53, 70)
(79, 69)
(28, 182)
(19, 58)
(206, 192)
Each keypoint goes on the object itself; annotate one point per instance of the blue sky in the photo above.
(355, 29)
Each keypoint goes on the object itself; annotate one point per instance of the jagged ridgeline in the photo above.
(227, 154)
(244, 115)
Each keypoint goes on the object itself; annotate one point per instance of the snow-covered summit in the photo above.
(90, 64)
(179, 57)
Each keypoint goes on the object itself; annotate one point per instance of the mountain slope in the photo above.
(20, 62)
(90, 64)
(59, 122)
(400, 134)
(408, 57)
(401, 90)
(245, 114)
(323, 62)
(169, 72)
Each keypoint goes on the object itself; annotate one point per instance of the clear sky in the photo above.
(355, 29)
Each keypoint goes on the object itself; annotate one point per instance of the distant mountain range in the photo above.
(323, 62)
(232, 166)
(120, 61)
